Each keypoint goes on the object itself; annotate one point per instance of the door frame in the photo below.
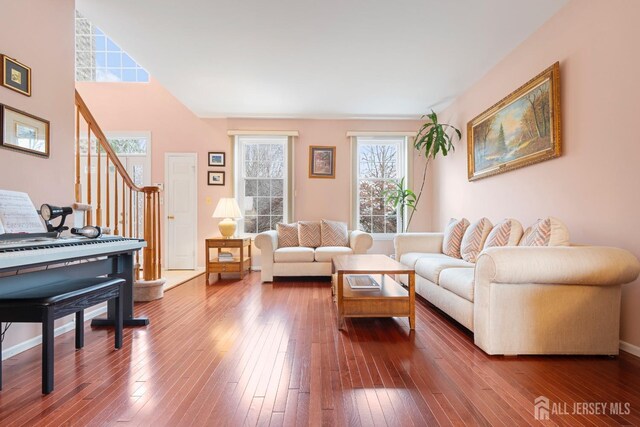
(166, 205)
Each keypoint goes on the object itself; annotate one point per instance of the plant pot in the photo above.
(151, 290)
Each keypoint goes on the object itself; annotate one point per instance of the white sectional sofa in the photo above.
(526, 300)
(304, 261)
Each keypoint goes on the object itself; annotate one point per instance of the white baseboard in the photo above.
(69, 326)
(256, 268)
(630, 348)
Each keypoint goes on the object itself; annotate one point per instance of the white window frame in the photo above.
(240, 142)
(403, 170)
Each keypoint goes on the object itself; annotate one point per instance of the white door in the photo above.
(181, 210)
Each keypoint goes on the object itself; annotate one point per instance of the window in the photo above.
(262, 181)
(99, 59)
(380, 162)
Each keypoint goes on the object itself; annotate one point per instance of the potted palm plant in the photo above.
(432, 139)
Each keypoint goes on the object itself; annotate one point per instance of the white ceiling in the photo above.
(317, 58)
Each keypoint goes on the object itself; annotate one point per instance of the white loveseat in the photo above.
(304, 261)
(526, 300)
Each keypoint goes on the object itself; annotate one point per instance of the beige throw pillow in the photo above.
(309, 234)
(474, 238)
(546, 232)
(506, 233)
(333, 233)
(287, 235)
(453, 237)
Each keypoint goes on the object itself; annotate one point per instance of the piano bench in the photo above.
(45, 304)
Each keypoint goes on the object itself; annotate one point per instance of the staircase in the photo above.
(112, 200)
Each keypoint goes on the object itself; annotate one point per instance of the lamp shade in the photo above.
(227, 208)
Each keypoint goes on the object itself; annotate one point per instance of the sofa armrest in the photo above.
(571, 265)
(267, 242)
(417, 242)
(360, 242)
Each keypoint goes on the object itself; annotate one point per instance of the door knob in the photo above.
(171, 217)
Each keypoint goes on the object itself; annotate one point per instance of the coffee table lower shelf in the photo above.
(391, 300)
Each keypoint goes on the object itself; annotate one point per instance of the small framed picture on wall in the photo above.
(216, 159)
(15, 76)
(215, 178)
(322, 162)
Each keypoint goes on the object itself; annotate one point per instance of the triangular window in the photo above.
(100, 59)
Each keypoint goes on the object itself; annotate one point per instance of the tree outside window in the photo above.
(380, 166)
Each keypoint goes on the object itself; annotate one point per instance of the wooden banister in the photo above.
(127, 220)
(104, 143)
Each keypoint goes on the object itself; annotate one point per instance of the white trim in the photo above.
(35, 341)
(263, 132)
(630, 348)
(375, 133)
(371, 117)
(164, 208)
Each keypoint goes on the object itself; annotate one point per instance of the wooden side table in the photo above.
(241, 260)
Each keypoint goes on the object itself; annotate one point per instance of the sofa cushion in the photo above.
(474, 239)
(410, 258)
(507, 232)
(459, 281)
(333, 233)
(295, 254)
(453, 237)
(326, 253)
(546, 232)
(309, 234)
(287, 235)
(431, 266)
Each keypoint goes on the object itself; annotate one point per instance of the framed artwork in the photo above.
(23, 132)
(15, 76)
(216, 159)
(520, 130)
(322, 162)
(215, 178)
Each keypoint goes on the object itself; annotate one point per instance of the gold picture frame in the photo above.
(15, 75)
(322, 161)
(24, 132)
(520, 130)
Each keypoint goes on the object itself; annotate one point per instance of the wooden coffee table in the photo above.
(391, 300)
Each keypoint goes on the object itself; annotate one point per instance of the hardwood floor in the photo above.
(240, 352)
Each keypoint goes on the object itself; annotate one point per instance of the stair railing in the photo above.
(129, 210)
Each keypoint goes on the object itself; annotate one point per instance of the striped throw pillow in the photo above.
(506, 233)
(474, 238)
(309, 234)
(333, 233)
(453, 237)
(287, 235)
(546, 232)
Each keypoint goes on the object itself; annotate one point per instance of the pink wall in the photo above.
(48, 48)
(174, 128)
(593, 187)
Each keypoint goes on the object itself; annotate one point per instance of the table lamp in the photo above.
(229, 210)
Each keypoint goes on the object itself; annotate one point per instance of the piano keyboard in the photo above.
(16, 254)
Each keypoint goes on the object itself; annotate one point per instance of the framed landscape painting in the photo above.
(520, 130)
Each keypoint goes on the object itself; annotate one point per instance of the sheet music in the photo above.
(18, 214)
